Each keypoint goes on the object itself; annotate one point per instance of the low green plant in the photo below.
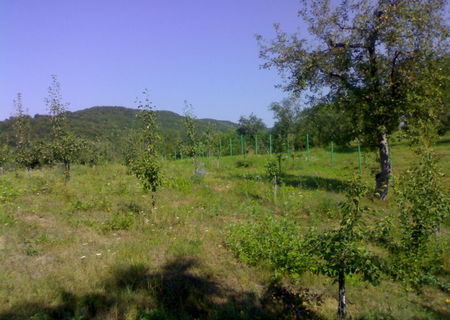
(80, 205)
(120, 220)
(7, 192)
(243, 163)
(335, 253)
(272, 241)
(273, 172)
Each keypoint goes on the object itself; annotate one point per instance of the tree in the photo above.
(147, 166)
(286, 115)
(342, 251)
(325, 124)
(369, 55)
(423, 205)
(65, 146)
(24, 154)
(250, 126)
(192, 144)
(209, 138)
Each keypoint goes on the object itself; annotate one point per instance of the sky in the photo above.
(105, 52)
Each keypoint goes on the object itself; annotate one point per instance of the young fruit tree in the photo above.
(193, 144)
(65, 146)
(25, 155)
(342, 251)
(146, 166)
(367, 56)
(423, 206)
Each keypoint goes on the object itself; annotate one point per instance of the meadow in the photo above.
(93, 248)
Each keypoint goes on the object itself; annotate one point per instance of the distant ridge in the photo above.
(110, 122)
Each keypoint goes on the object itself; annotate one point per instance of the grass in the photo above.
(92, 248)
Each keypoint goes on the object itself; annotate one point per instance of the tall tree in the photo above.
(286, 115)
(250, 126)
(370, 55)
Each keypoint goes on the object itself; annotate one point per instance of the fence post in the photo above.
(270, 144)
(256, 144)
(220, 148)
(332, 153)
(359, 158)
(307, 148)
(242, 145)
(231, 146)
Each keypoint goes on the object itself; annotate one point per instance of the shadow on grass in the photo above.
(178, 291)
(315, 183)
(302, 182)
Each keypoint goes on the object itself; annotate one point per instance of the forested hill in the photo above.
(108, 123)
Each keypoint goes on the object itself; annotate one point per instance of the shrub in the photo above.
(243, 163)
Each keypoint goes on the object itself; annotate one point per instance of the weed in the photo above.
(120, 220)
(31, 251)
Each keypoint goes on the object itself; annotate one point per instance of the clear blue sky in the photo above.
(105, 52)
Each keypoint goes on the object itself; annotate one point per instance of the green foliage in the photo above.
(273, 241)
(148, 171)
(422, 201)
(64, 146)
(343, 250)
(243, 163)
(284, 130)
(147, 167)
(250, 126)
(120, 220)
(376, 60)
(192, 145)
(423, 205)
(273, 171)
(108, 129)
(4, 155)
(334, 253)
(325, 124)
(7, 191)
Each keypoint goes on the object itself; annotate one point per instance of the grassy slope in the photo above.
(62, 253)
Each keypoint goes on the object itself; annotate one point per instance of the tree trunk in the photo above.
(382, 178)
(341, 306)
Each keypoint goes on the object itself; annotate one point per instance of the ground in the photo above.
(92, 247)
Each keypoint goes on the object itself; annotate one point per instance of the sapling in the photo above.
(24, 155)
(64, 146)
(146, 166)
(342, 252)
(423, 206)
(274, 173)
(193, 144)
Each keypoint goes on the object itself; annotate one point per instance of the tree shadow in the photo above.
(302, 182)
(180, 290)
(315, 183)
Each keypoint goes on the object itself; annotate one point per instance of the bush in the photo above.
(243, 163)
(272, 241)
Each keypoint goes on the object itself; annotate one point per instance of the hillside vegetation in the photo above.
(110, 124)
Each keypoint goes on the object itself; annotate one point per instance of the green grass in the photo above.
(92, 248)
